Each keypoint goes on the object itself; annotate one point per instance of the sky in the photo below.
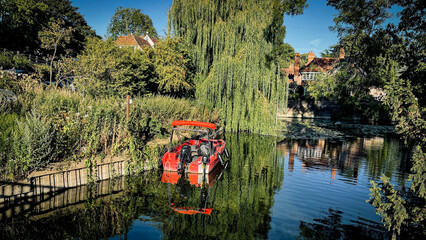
(306, 32)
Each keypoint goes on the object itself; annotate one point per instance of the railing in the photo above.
(38, 59)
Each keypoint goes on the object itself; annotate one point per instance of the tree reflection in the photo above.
(243, 198)
(332, 226)
(242, 203)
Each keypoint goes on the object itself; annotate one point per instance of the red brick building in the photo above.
(314, 66)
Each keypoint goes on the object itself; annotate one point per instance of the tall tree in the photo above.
(232, 45)
(173, 67)
(393, 55)
(21, 20)
(52, 37)
(128, 21)
(333, 51)
(105, 69)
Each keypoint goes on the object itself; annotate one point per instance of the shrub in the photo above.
(20, 62)
(7, 125)
(10, 60)
(34, 143)
(6, 60)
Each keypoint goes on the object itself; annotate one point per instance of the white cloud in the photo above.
(315, 42)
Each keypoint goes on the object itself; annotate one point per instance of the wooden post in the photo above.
(128, 106)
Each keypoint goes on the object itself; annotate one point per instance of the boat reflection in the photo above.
(192, 190)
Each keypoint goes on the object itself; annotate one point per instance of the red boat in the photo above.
(199, 154)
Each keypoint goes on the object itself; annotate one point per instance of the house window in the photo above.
(309, 76)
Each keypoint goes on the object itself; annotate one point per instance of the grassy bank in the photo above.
(53, 125)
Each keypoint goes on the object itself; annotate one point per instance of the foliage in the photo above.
(34, 143)
(105, 69)
(282, 52)
(8, 61)
(128, 21)
(173, 67)
(347, 89)
(52, 37)
(21, 21)
(405, 211)
(303, 59)
(232, 45)
(333, 51)
(287, 55)
(71, 127)
(7, 125)
(393, 56)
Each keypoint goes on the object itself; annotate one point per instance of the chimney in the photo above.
(342, 53)
(311, 56)
(296, 64)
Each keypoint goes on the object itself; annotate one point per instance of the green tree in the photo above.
(173, 67)
(128, 21)
(21, 21)
(232, 46)
(333, 51)
(286, 55)
(303, 59)
(393, 56)
(105, 69)
(54, 36)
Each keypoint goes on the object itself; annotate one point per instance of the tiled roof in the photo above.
(126, 40)
(319, 65)
(133, 40)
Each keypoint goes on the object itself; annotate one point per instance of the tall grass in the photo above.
(59, 125)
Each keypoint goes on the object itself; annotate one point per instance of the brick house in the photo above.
(313, 67)
(137, 42)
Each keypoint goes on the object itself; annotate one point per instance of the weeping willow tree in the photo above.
(233, 45)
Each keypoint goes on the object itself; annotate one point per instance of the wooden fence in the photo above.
(38, 59)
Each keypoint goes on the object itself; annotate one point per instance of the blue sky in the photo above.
(306, 32)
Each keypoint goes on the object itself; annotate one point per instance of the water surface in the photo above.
(294, 189)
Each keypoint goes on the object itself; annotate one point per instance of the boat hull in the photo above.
(171, 159)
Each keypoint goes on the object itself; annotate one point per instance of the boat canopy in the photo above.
(193, 123)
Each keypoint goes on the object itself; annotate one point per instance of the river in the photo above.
(293, 189)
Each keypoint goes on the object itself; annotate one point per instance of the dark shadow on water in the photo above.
(331, 226)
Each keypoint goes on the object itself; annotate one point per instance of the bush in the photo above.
(20, 62)
(7, 125)
(34, 144)
(6, 60)
(10, 60)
